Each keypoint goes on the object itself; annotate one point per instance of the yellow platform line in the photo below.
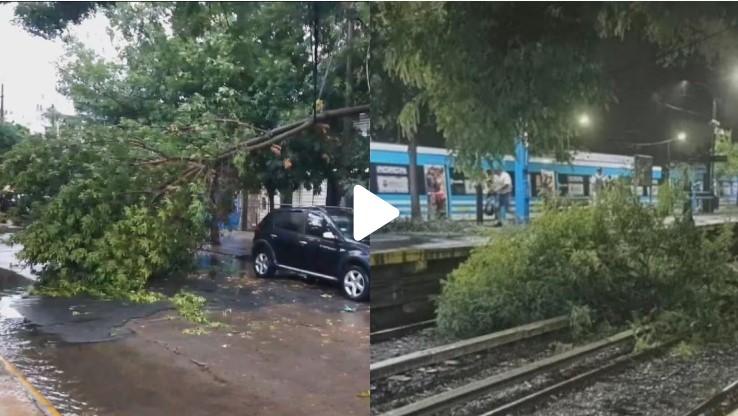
(42, 402)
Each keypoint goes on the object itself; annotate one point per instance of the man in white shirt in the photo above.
(502, 186)
(598, 184)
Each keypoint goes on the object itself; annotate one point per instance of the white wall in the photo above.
(259, 203)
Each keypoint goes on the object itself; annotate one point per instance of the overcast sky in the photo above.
(28, 66)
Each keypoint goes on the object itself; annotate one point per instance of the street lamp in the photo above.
(681, 136)
(715, 125)
(584, 120)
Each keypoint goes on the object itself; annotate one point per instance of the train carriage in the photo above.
(390, 173)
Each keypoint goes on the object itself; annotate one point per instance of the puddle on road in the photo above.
(34, 354)
(81, 390)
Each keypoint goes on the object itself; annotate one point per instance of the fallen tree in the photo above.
(617, 262)
(112, 206)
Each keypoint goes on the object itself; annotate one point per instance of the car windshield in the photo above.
(344, 221)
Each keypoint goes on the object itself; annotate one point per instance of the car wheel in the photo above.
(263, 263)
(355, 283)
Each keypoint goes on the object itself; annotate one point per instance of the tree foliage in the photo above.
(50, 19)
(10, 135)
(617, 259)
(724, 145)
(490, 72)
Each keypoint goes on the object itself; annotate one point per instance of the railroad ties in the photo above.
(476, 377)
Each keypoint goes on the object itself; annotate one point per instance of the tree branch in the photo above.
(283, 132)
(240, 123)
(166, 160)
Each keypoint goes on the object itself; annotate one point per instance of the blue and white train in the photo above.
(389, 177)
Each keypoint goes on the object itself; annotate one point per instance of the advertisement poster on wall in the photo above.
(545, 183)
(435, 187)
(435, 178)
(393, 184)
(389, 179)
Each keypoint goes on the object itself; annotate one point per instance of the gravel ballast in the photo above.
(669, 385)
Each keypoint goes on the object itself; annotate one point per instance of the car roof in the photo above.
(314, 208)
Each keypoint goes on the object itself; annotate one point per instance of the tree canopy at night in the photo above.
(489, 72)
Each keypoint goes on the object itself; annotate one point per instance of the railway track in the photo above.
(573, 382)
(400, 331)
(447, 352)
(722, 403)
(479, 395)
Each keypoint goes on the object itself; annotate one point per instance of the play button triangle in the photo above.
(370, 213)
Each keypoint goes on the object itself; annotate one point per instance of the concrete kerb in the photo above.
(42, 403)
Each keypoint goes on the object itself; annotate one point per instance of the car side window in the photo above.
(315, 225)
(288, 220)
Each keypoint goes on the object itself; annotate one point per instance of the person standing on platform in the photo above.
(502, 187)
(598, 185)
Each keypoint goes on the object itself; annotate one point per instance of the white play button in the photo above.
(370, 213)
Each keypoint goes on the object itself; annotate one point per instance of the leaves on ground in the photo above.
(195, 331)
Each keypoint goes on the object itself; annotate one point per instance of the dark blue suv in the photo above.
(316, 242)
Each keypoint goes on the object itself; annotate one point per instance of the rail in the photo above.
(446, 400)
(440, 354)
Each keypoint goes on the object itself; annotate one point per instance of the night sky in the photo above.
(654, 103)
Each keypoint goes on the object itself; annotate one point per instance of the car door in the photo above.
(286, 238)
(324, 253)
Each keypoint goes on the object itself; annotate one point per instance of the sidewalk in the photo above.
(18, 398)
(238, 243)
(233, 243)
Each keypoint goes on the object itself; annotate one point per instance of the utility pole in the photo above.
(2, 104)
(710, 163)
(333, 182)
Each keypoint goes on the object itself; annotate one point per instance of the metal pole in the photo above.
(480, 204)
(522, 199)
(2, 104)
(710, 164)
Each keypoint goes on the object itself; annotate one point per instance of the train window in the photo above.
(535, 184)
(574, 185)
(460, 185)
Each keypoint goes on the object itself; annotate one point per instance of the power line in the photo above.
(692, 43)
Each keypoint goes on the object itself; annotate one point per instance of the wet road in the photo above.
(282, 333)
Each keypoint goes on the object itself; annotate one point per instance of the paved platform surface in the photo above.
(233, 243)
(238, 243)
(14, 399)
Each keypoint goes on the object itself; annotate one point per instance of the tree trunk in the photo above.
(244, 220)
(285, 197)
(214, 226)
(333, 192)
(412, 152)
(270, 192)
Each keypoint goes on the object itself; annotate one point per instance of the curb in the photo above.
(41, 402)
(239, 256)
